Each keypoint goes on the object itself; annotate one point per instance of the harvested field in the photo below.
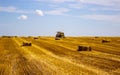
(47, 56)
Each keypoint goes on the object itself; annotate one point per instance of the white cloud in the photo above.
(112, 9)
(105, 5)
(39, 12)
(112, 3)
(76, 6)
(55, 1)
(58, 1)
(58, 11)
(98, 2)
(102, 2)
(23, 17)
(80, 0)
(7, 9)
(101, 17)
(12, 9)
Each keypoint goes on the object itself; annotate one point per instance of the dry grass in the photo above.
(48, 56)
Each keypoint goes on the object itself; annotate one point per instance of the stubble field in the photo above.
(48, 56)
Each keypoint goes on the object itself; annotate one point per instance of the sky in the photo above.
(73, 17)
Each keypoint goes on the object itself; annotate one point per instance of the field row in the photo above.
(48, 56)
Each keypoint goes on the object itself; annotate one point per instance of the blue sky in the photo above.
(46, 17)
